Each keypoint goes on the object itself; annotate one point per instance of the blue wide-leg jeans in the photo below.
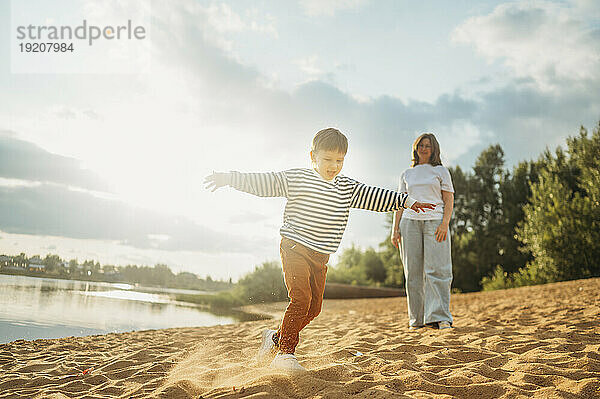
(427, 272)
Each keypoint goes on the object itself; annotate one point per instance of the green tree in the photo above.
(348, 269)
(350, 257)
(488, 206)
(515, 192)
(461, 231)
(390, 256)
(73, 269)
(264, 284)
(461, 223)
(109, 269)
(161, 275)
(562, 222)
(53, 264)
(373, 266)
(189, 281)
(478, 219)
(89, 267)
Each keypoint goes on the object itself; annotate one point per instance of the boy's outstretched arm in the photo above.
(217, 180)
(422, 206)
(270, 184)
(383, 200)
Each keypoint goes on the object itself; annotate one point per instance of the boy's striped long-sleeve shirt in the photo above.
(317, 210)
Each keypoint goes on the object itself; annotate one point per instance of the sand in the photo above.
(541, 342)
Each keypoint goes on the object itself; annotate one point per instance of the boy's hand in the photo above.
(421, 206)
(217, 180)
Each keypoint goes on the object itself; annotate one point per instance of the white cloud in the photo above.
(222, 18)
(552, 43)
(309, 66)
(19, 183)
(66, 112)
(361, 99)
(329, 7)
(457, 138)
(218, 22)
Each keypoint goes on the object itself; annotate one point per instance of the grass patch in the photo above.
(220, 300)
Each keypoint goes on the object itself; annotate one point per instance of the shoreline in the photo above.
(541, 341)
(135, 286)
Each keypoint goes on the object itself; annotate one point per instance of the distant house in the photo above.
(36, 264)
(36, 267)
(5, 260)
(9, 263)
(73, 268)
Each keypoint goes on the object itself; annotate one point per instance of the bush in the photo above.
(220, 300)
(532, 274)
(347, 270)
(359, 268)
(562, 220)
(264, 284)
(498, 281)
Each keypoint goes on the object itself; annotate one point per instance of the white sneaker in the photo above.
(442, 325)
(286, 362)
(267, 345)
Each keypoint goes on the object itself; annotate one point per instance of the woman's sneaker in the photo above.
(442, 325)
(286, 362)
(415, 327)
(267, 346)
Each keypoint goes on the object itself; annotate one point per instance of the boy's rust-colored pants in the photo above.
(304, 272)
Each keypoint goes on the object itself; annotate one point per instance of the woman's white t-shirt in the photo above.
(425, 184)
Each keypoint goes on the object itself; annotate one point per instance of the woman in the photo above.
(423, 237)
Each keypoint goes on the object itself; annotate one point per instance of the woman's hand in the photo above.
(441, 232)
(395, 238)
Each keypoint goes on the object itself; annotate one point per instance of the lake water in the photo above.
(33, 308)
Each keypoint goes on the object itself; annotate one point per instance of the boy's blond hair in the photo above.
(330, 139)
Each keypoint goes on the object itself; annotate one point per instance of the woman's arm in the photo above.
(395, 236)
(442, 230)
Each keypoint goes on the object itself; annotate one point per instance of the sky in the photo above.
(103, 150)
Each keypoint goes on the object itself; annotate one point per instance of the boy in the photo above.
(314, 220)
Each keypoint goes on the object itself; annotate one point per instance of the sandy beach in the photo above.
(541, 342)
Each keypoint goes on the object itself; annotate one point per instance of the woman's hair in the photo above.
(435, 159)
